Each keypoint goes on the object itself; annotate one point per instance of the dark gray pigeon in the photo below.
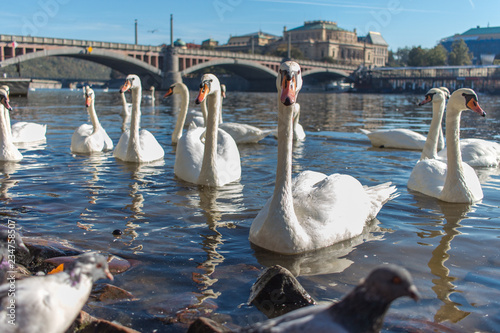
(362, 310)
(50, 303)
(13, 251)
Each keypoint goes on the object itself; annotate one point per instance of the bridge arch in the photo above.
(325, 74)
(150, 75)
(238, 66)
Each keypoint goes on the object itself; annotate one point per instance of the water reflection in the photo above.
(323, 261)
(7, 182)
(443, 287)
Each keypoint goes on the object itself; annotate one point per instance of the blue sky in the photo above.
(401, 22)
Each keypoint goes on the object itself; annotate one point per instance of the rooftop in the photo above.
(320, 24)
(374, 38)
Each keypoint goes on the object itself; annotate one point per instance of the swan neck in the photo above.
(208, 172)
(204, 111)
(5, 135)
(181, 117)
(93, 117)
(431, 143)
(135, 121)
(454, 174)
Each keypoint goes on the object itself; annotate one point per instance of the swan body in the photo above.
(314, 210)
(90, 138)
(139, 146)
(451, 180)
(208, 156)
(8, 152)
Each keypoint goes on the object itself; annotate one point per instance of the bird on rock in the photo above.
(51, 303)
(362, 310)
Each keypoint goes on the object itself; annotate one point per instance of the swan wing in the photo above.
(244, 133)
(189, 155)
(120, 151)
(477, 152)
(428, 177)
(228, 159)
(150, 148)
(26, 132)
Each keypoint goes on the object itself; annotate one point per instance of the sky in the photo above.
(402, 23)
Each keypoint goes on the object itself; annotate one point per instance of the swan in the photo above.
(134, 145)
(125, 112)
(90, 138)
(23, 132)
(314, 210)
(438, 98)
(401, 138)
(208, 156)
(8, 152)
(451, 180)
(477, 152)
(181, 89)
(151, 96)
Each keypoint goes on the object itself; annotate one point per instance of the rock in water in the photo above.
(362, 310)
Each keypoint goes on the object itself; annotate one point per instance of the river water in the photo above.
(189, 244)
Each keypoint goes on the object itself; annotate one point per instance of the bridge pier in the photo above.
(171, 73)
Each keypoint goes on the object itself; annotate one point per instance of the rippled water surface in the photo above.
(190, 245)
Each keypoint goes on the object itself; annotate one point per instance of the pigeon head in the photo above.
(91, 264)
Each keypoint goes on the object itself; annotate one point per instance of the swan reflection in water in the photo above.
(329, 260)
(452, 214)
(7, 181)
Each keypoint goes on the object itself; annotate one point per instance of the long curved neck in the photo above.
(124, 103)
(134, 144)
(181, 117)
(204, 111)
(208, 172)
(455, 175)
(5, 135)
(435, 130)
(7, 121)
(93, 117)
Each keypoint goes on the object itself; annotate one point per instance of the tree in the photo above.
(437, 56)
(459, 54)
(417, 57)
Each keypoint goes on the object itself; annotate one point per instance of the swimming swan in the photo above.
(90, 138)
(314, 210)
(134, 145)
(8, 152)
(451, 180)
(208, 156)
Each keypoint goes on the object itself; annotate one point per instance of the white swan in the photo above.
(23, 132)
(134, 145)
(182, 90)
(451, 181)
(8, 152)
(438, 98)
(401, 138)
(208, 156)
(477, 152)
(90, 138)
(125, 112)
(315, 210)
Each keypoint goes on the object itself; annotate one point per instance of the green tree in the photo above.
(459, 54)
(437, 56)
(417, 57)
(398, 58)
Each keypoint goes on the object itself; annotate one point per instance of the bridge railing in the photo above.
(78, 42)
(259, 57)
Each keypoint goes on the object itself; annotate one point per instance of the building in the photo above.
(484, 43)
(209, 44)
(325, 40)
(256, 42)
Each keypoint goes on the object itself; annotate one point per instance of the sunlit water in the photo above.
(190, 245)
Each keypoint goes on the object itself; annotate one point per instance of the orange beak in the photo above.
(427, 99)
(126, 86)
(204, 90)
(474, 106)
(169, 92)
(88, 100)
(5, 102)
(288, 89)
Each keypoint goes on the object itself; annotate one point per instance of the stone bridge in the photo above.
(162, 65)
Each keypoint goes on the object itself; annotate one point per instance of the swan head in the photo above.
(209, 84)
(6, 88)
(289, 82)
(132, 81)
(223, 90)
(89, 96)
(176, 88)
(465, 99)
(434, 95)
(4, 99)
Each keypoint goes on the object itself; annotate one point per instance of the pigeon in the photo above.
(12, 252)
(50, 303)
(362, 310)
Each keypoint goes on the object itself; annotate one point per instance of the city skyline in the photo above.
(401, 23)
